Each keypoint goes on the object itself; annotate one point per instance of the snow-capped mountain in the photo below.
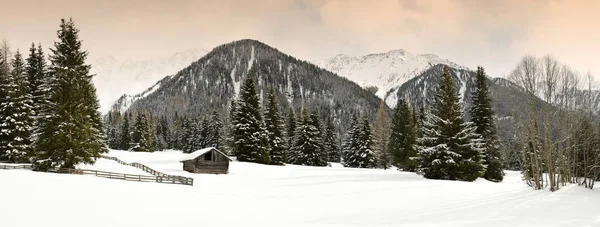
(114, 77)
(386, 71)
(209, 85)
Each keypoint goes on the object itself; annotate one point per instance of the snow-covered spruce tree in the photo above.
(250, 140)
(215, 128)
(187, 136)
(125, 134)
(72, 133)
(290, 128)
(16, 114)
(320, 159)
(364, 157)
(38, 81)
(307, 149)
(229, 140)
(421, 121)
(275, 127)
(111, 124)
(482, 116)
(5, 85)
(330, 142)
(403, 137)
(163, 134)
(113, 138)
(176, 132)
(200, 138)
(449, 148)
(381, 137)
(351, 143)
(142, 137)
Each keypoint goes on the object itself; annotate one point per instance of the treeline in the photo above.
(49, 113)
(559, 143)
(438, 144)
(143, 132)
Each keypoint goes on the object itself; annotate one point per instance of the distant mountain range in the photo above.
(385, 71)
(114, 77)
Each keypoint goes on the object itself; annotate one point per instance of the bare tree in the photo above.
(6, 54)
(527, 75)
(560, 142)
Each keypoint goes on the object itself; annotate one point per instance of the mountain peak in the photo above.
(386, 71)
(210, 83)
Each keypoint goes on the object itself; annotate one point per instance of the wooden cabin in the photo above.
(208, 160)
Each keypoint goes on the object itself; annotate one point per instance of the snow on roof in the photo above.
(201, 152)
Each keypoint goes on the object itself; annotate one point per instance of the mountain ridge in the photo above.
(387, 71)
(211, 82)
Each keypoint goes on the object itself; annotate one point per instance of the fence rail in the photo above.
(128, 177)
(15, 166)
(159, 175)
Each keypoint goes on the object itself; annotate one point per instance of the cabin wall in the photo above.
(189, 165)
(212, 167)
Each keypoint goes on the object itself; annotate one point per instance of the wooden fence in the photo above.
(167, 177)
(15, 167)
(128, 177)
(158, 177)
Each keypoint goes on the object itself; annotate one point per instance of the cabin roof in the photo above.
(201, 152)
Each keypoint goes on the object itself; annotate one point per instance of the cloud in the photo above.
(493, 34)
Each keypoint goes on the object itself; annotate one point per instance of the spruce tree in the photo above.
(188, 136)
(152, 131)
(403, 137)
(275, 127)
(330, 142)
(250, 142)
(38, 81)
(290, 128)
(113, 138)
(142, 134)
(381, 137)
(351, 143)
(163, 134)
(482, 116)
(420, 121)
(6, 85)
(363, 156)
(214, 134)
(177, 132)
(229, 140)
(449, 148)
(320, 158)
(308, 149)
(125, 134)
(16, 114)
(72, 133)
(200, 139)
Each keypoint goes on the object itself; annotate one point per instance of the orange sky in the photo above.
(493, 34)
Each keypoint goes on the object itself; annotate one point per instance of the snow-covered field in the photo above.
(259, 195)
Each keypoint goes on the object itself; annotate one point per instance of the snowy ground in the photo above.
(259, 195)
